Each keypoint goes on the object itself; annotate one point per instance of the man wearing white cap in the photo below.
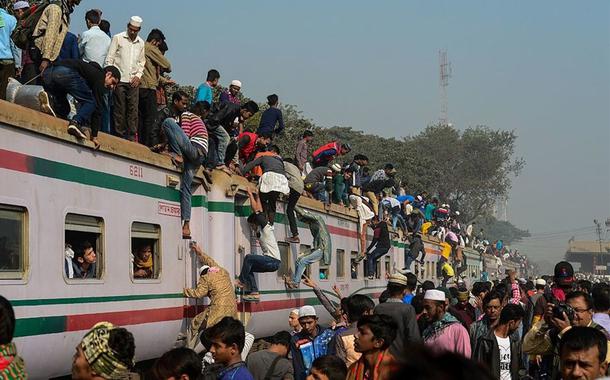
(293, 322)
(537, 304)
(127, 52)
(231, 94)
(445, 333)
(310, 343)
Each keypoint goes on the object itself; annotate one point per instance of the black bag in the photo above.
(211, 371)
(23, 34)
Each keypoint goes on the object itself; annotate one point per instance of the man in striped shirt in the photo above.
(188, 143)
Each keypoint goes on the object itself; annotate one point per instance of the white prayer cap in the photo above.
(541, 281)
(20, 5)
(434, 295)
(203, 269)
(136, 21)
(335, 167)
(307, 311)
(236, 83)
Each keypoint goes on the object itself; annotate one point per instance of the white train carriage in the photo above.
(56, 191)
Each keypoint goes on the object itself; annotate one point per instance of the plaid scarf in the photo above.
(437, 327)
(102, 359)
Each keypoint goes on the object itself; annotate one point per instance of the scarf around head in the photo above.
(437, 327)
(103, 359)
(144, 264)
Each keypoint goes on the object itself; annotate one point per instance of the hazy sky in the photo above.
(541, 68)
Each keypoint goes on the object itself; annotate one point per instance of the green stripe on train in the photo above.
(69, 301)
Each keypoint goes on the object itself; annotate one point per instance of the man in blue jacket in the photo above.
(310, 343)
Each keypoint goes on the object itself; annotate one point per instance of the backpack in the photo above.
(24, 31)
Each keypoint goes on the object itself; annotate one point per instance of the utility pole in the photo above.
(444, 75)
(598, 230)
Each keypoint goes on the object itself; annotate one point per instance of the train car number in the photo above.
(136, 171)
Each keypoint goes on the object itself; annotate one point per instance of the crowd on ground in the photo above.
(553, 327)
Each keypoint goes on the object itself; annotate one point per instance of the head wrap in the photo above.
(101, 358)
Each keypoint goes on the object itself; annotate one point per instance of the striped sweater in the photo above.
(195, 130)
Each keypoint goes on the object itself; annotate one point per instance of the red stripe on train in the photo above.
(14, 161)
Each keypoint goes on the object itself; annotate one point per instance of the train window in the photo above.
(387, 265)
(84, 247)
(146, 250)
(13, 241)
(354, 265)
(286, 265)
(340, 263)
(378, 269)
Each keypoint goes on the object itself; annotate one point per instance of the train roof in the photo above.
(35, 122)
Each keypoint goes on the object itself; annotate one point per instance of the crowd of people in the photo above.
(545, 328)
(555, 327)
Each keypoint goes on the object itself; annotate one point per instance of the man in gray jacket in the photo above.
(402, 313)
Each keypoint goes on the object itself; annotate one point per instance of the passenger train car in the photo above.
(57, 192)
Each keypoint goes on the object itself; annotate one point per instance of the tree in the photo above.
(500, 230)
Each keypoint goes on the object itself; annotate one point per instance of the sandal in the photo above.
(251, 298)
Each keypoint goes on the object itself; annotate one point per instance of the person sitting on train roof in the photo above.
(231, 94)
(271, 117)
(143, 264)
(13, 366)
(180, 103)
(188, 143)
(269, 261)
(310, 343)
(227, 339)
(339, 186)
(321, 247)
(214, 282)
(272, 182)
(84, 263)
(105, 352)
(87, 82)
(319, 181)
(224, 119)
(374, 187)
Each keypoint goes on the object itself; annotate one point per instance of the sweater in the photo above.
(269, 119)
(193, 128)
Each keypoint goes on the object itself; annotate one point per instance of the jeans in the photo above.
(412, 251)
(106, 114)
(58, 82)
(256, 264)
(222, 141)
(304, 261)
(293, 198)
(318, 190)
(371, 260)
(149, 133)
(180, 144)
(126, 111)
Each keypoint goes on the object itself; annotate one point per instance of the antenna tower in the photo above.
(444, 75)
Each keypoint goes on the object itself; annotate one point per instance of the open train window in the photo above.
(146, 250)
(354, 265)
(84, 249)
(324, 270)
(340, 263)
(13, 242)
(388, 265)
(286, 265)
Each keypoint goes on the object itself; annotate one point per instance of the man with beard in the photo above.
(445, 332)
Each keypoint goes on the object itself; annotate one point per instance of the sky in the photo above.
(539, 68)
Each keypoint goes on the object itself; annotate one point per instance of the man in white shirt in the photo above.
(500, 350)
(94, 43)
(126, 52)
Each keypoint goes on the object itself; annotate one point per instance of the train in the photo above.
(57, 192)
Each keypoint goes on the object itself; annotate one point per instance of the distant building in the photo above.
(584, 251)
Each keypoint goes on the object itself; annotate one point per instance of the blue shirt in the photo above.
(269, 119)
(93, 45)
(236, 372)
(8, 50)
(69, 48)
(204, 93)
(407, 298)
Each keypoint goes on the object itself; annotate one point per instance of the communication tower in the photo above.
(444, 75)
